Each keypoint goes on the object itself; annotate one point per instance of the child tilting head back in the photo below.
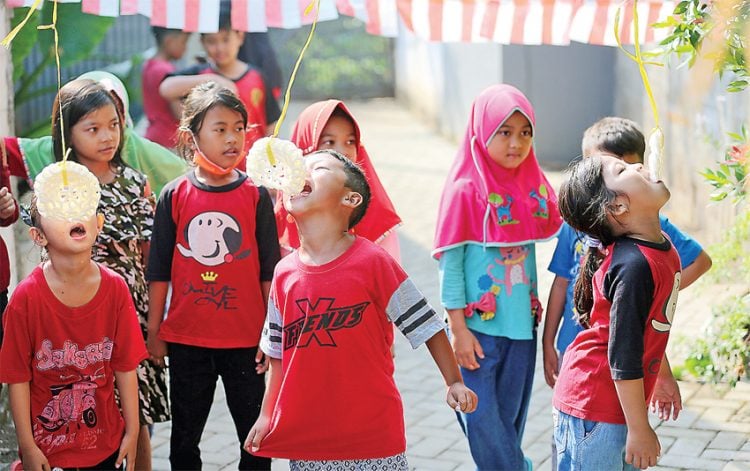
(63, 401)
(330, 125)
(328, 332)
(627, 298)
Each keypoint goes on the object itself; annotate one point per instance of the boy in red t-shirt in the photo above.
(71, 331)
(228, 71)
(163, 116)
(328, 333)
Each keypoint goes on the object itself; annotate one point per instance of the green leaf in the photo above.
(24, 42)
(79, 33)
(681, 7)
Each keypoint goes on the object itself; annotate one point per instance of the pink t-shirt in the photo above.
(162, 125)
(69, 356)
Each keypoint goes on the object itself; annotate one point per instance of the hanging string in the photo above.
(53, 26)
(656, 136)
(287, 95)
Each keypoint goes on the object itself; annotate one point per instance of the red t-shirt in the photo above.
(635, 293)
(331, 326)
(162, 125)
(216, 245)
(69, 356)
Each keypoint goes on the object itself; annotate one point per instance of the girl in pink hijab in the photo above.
(496, 204)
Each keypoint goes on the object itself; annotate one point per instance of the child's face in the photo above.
(221, 137)
(632, 181)
(174, 45)
(324, 186)
(65, 237)
(96, 137)
(339, 135)
(223, 46)
(511, 144)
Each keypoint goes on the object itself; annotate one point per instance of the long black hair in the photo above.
(78, 98)
(584, 202)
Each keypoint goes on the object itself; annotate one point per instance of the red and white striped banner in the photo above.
(556, 22)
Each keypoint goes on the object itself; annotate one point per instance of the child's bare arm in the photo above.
(555, 307)
(666, 399)
(127, 384)
(642, 447)
(459, 396)
(263, 425)
(178, 86)
(20, 408)
(695, 270)
(464, 343)
(157, 300)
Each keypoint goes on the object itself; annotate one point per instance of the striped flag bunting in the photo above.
(554, 22)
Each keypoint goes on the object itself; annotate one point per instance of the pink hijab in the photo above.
(484, 203)
(380, 218)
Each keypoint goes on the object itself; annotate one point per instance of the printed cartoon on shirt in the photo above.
(511, 266)
(320, 319)
(669, 308)
(212, 239)
(70, 414)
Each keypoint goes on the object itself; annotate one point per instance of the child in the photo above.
(330, 125)
(328, 333)
(496, 204)
(215, 239)
(622, 138)
(91, 125)
(28, 156)
(71, 329)
(225, 69)
(609, 371)
(162, 119)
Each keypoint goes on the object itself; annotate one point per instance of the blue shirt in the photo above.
(566, 262)
(470, 271)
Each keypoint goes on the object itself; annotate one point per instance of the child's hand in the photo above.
(127, 451)
(261, 362)
(551, 361)
(666, 400)
(34, 459)
(642, 448)
(461, 399)
(256, 435)
(7, 204)
(157, 349)
(467, 349)
(224, 82)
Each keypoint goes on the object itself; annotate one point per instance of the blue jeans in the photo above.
(503, 384)
(586, 445)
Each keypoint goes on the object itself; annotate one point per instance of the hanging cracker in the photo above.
(68, 191)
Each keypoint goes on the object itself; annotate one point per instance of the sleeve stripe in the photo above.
(414, 325)
(411, 311)
(274, 326)
(274, 339)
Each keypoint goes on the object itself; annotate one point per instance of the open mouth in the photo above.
(78, 231)
(232, 153)
(306, 190)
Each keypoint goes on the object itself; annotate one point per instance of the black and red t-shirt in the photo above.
(635, 294)
(216, 245)
(332, 327)
(262, 108)
(69, 356)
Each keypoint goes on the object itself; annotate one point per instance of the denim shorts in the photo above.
(584, 445)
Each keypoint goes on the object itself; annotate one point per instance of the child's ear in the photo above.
(618, 207)
(352, 199)
(37, 236)
(99, 221)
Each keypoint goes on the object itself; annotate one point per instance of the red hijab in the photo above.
(486, 204)
(380, 218)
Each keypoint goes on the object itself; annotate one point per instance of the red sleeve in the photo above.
(15, 158)
(129, 349)
(17, 349)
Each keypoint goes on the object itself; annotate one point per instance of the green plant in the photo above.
(715, 33)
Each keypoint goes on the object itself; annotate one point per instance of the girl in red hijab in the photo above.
(330, 125)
